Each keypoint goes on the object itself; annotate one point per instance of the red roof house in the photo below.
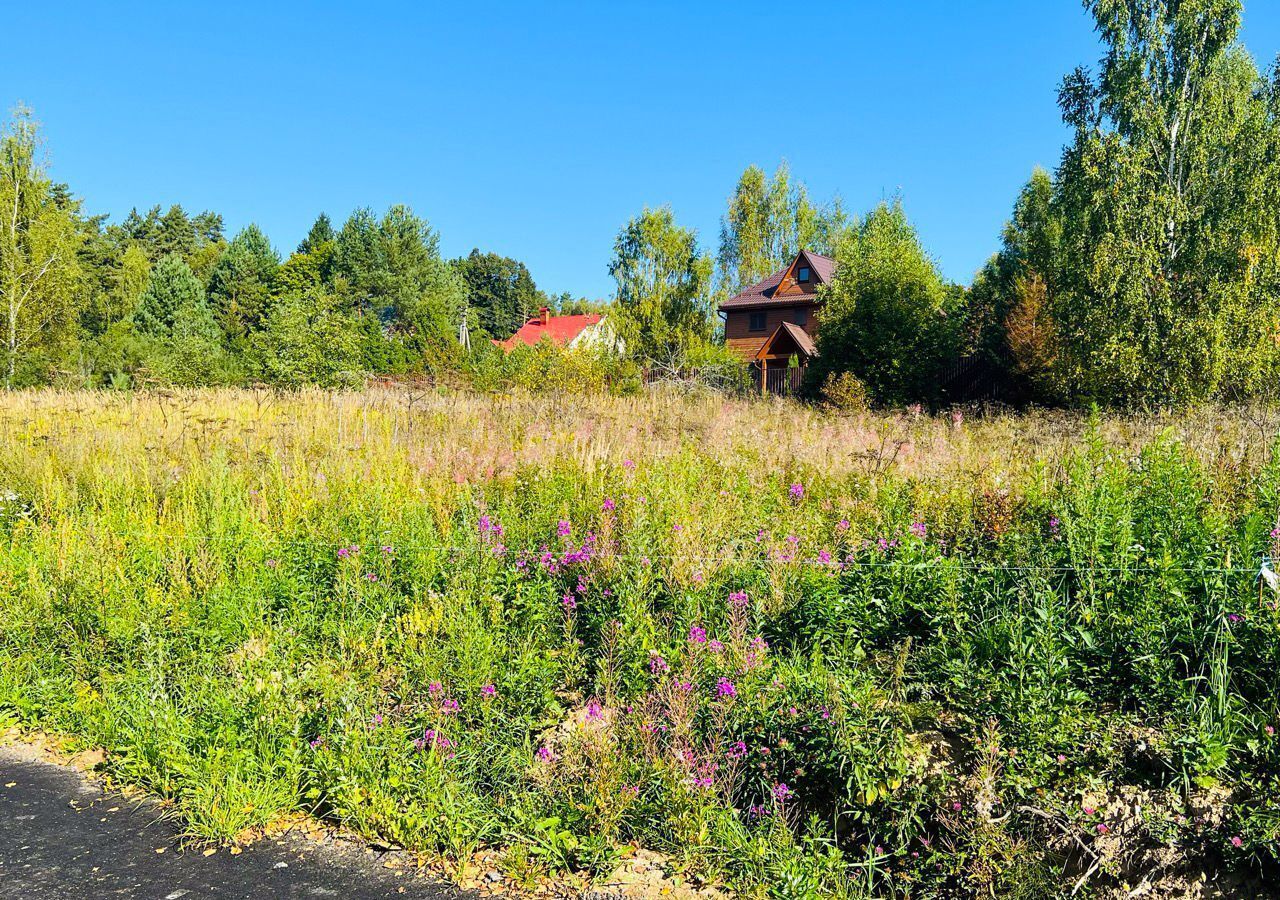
(563, 331)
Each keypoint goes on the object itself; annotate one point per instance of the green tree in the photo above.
(1167, 196)
(320, 234)
(768, 221)
(40, 239)
(171, 288)
(500, 291)
(394, 277)
(889, 318)
(663, 286)
(242, 282)
(309, 339)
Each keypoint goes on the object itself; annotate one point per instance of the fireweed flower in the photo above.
(344, 552)
(697, 635)
(715, 646)
(1236, 841)
(388, 549)
(725, 689)
(797, 491)
(919, 529)
(824, 557)
(489, 690)
(569, 602)
(657, 665)
(738, 599)
(563, 528)
(843, 525)
(315, 743)
(594, 710)
(434, 688)
(545, 753)
(449, 706)
(608, 504)
(628, 464)
(737, 750)
(781, 792)
(370, 576)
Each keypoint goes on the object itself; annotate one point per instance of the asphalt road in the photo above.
(62, 836)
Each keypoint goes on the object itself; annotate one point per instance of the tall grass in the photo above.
(800, 654)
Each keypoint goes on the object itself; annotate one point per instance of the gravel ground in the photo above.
(62, 835)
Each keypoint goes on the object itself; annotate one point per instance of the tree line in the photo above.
(1144, 269)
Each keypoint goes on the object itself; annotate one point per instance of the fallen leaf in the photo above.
(211, 851)
(235, 851)
(159, 849)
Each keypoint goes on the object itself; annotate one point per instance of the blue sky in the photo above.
(537, 129)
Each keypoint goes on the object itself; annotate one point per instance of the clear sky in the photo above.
(537, 129)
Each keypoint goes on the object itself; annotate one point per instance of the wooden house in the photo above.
(774, 323)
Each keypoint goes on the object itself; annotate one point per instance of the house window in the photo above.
(802, 315)
(803, 275)
(757, 321)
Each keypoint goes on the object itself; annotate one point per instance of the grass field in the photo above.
(801, 655)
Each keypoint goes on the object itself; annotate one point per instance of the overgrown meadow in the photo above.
(801, 655)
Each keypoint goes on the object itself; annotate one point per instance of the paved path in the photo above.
(62, 836)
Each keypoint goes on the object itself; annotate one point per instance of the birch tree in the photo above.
(39, 271)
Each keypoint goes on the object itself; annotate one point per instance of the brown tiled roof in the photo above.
(802, 338)
(804, 343)
(761, 293)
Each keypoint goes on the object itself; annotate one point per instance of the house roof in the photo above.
(762, 293)
(804, 343)
(561, 330)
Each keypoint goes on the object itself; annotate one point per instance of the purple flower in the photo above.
(434, 688)
(315, 743)
(629, 465)
(697, 635)
(1237, 842)
(842, 525)
(739, 599)
(370, 576)
(272, 563)
(737, 750)
(657, 665)
(569, 602)
(489, 690)
(344, 552)
(824, 557)
(919, 529)
(797, 491)
(545, 753)
(563, 528)
(725, 689)
(608, 505)
(388, 549)
(594, 711)
(449, 706)
(714, 646)
(781, 792)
